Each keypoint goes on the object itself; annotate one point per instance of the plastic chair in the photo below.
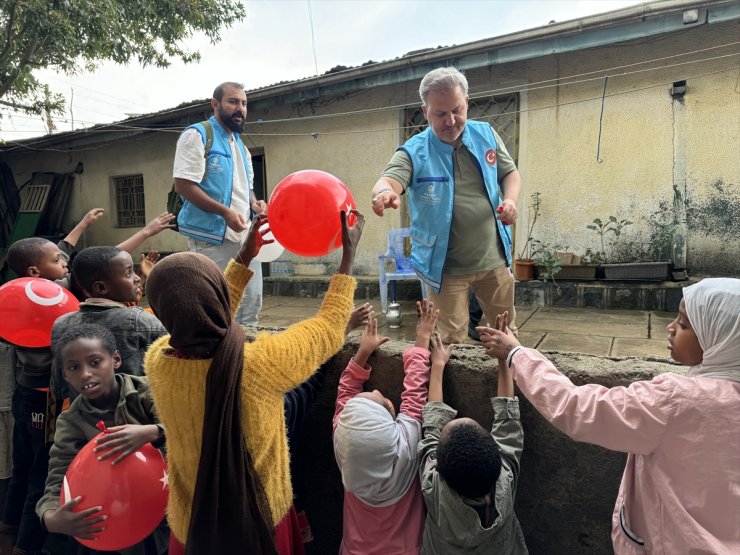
(404, 268)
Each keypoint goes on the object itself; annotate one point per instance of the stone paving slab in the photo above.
(640, 347)
(270, 301)
(531, 339)
(588, 328)
(582, 330)
(308, 302)
(658, 323)
(573, 343)
(594, 315)
(286, 311)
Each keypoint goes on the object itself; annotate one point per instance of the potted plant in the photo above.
(524, 266)
(545, 255)
(573, 266)
(635, 257)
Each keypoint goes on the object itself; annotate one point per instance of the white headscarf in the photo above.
(713, 308)
(375, 453)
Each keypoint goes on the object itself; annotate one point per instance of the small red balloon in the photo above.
(133, 493)
(28, 308)
(304, 212)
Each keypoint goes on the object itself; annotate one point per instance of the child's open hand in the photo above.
(351, 234)
(83, 524)
(125, 440)
(147, 262)
(350, 238)
(427, 322)
(358, 317)
(255, 239)
(440, 352)
(159, 224)
(499, 341)
(92, 216)
(370, 340)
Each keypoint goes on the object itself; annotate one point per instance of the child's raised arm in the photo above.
(369, 341)
(505, 377)
(155, 227)
(416, 363)
(358, 317)
(357, 371)
(440, 357)
(499, 342)
(88, 219)
(350, 238)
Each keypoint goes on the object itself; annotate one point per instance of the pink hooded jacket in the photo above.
(680, 492)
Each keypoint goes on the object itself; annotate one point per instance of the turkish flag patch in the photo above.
(491, 157)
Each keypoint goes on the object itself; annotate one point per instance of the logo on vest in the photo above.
(214, 165)
(491, 157)
(429, 197)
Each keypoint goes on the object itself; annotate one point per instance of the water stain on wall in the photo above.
(714, 231)
(717, 216)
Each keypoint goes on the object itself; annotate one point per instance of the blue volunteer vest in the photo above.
(432, 190)
(217, 184)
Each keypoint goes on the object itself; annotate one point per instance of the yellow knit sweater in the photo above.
(273, 365)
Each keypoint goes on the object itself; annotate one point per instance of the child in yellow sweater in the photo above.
(216, 394)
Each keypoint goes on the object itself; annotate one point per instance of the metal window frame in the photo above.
(128, 198)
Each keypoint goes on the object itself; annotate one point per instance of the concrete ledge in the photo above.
(660, 296)
(566, 491)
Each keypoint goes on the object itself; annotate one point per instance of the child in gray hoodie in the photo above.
(468, 477)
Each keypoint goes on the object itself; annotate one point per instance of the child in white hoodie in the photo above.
(376, 449)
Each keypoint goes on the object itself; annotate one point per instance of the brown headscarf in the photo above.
(189, 294)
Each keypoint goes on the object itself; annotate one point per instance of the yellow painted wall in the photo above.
(559, 127)
(635, 169)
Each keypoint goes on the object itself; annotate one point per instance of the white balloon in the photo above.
(271, 251)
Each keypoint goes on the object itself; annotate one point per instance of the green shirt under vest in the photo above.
(474, 245)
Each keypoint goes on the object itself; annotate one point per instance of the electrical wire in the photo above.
(118, 127)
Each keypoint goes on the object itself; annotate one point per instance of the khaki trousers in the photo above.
(493, 289)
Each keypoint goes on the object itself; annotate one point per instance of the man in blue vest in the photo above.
(463, 190)
(217, 189)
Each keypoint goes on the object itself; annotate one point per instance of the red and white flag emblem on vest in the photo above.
(491, 157)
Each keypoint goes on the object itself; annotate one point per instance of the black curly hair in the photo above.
(88, 331)
(24, 253)
(92, 264)
(468, 460)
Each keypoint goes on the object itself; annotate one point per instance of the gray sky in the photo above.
(274, 44)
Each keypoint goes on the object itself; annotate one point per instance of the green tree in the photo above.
(72, 35)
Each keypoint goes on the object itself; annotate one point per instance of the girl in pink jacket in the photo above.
(680, 492)
(376, 449)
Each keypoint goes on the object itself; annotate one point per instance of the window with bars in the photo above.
(502, 112)
(128, 191)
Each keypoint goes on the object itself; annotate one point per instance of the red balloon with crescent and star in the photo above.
(132, 493)
(28, 308)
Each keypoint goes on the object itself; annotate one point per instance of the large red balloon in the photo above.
(304, 212)
(133, 493)
(28, 309)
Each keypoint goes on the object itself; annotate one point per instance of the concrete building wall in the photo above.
(653, 149)
(150, 155)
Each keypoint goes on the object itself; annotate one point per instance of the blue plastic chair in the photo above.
(404, 268)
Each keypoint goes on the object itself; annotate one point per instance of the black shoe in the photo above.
(473, 334)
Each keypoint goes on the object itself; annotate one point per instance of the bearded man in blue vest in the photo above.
(217, 188)
(463, 190)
